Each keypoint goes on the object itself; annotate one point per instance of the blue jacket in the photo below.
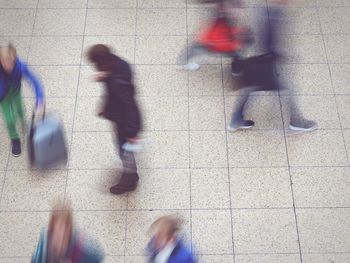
(180, 254)
(13, 80)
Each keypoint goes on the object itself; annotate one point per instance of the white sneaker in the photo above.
(191, 66)
(136, 147)
(307, 126)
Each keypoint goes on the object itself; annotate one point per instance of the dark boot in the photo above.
(16, 147)
(127, 183)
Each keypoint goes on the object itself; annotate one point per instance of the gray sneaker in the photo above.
(303, 126)
(244, 124)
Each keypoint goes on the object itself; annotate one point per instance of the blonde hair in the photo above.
(170, 225)
(9, 50)
(61, 211)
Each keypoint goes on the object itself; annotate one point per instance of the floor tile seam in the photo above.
(291, 185)
(174, 65)
(140, 34)
(189, 125)
(245, 6)
(228, 167)
(72, 169)
(8, 155)
(192, 97)
(127, 197)
(184, 209)
(254, 130)
(209, 130)
(288, 162)
(76, 101)
(210, 254)
(144, 34)
(332, 84)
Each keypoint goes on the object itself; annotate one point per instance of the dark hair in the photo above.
(102, 57)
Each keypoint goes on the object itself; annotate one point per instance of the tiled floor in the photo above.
(252, 196)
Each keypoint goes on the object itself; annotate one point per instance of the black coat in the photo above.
(120, 105)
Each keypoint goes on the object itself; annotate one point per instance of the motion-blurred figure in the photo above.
(12, 70)
(61, 242)
(222, 35)
(165, 245)
(120, 107)
(259, 73)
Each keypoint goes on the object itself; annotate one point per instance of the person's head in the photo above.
(101, 56)
(60, 230)
(8, 58)
(165, 230)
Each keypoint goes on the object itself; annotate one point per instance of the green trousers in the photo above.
(12, 110)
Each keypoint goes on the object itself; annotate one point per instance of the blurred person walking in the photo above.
(259, 73)
(62, 242)
(120, 107)
(222, 35)
(12, 71)
(165, 245)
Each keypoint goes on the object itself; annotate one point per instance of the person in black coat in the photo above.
(120, 107)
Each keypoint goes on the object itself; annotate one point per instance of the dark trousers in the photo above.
(293, 113)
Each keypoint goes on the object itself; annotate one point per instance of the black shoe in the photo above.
(16, 147)
(127, 183)
(244, 124)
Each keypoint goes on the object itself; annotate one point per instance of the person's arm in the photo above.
(35, 83)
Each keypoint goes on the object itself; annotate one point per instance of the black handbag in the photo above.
(258, 71)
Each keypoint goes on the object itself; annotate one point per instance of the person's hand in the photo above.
(39, 110)
(100, 76)
(101, 114)
(133, 140)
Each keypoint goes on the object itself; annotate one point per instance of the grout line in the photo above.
(189, 132)
(291, 184)
(133, 72)
(157, 35)
(32, 33)
(253, 130)
(194, 96)
(182, 209)
(10, 148)
(76, 102)
(332, 84)
(180, 168)
(228, 166)
(287, 156)
(209, 254)
(199, 7)
(175, 65)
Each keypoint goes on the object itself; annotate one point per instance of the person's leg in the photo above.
(129, 179)
(236, 64)
(10, 119)
(19, 110)
(237, 120)
(296, 120)
(188, 54)
(9, 116)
